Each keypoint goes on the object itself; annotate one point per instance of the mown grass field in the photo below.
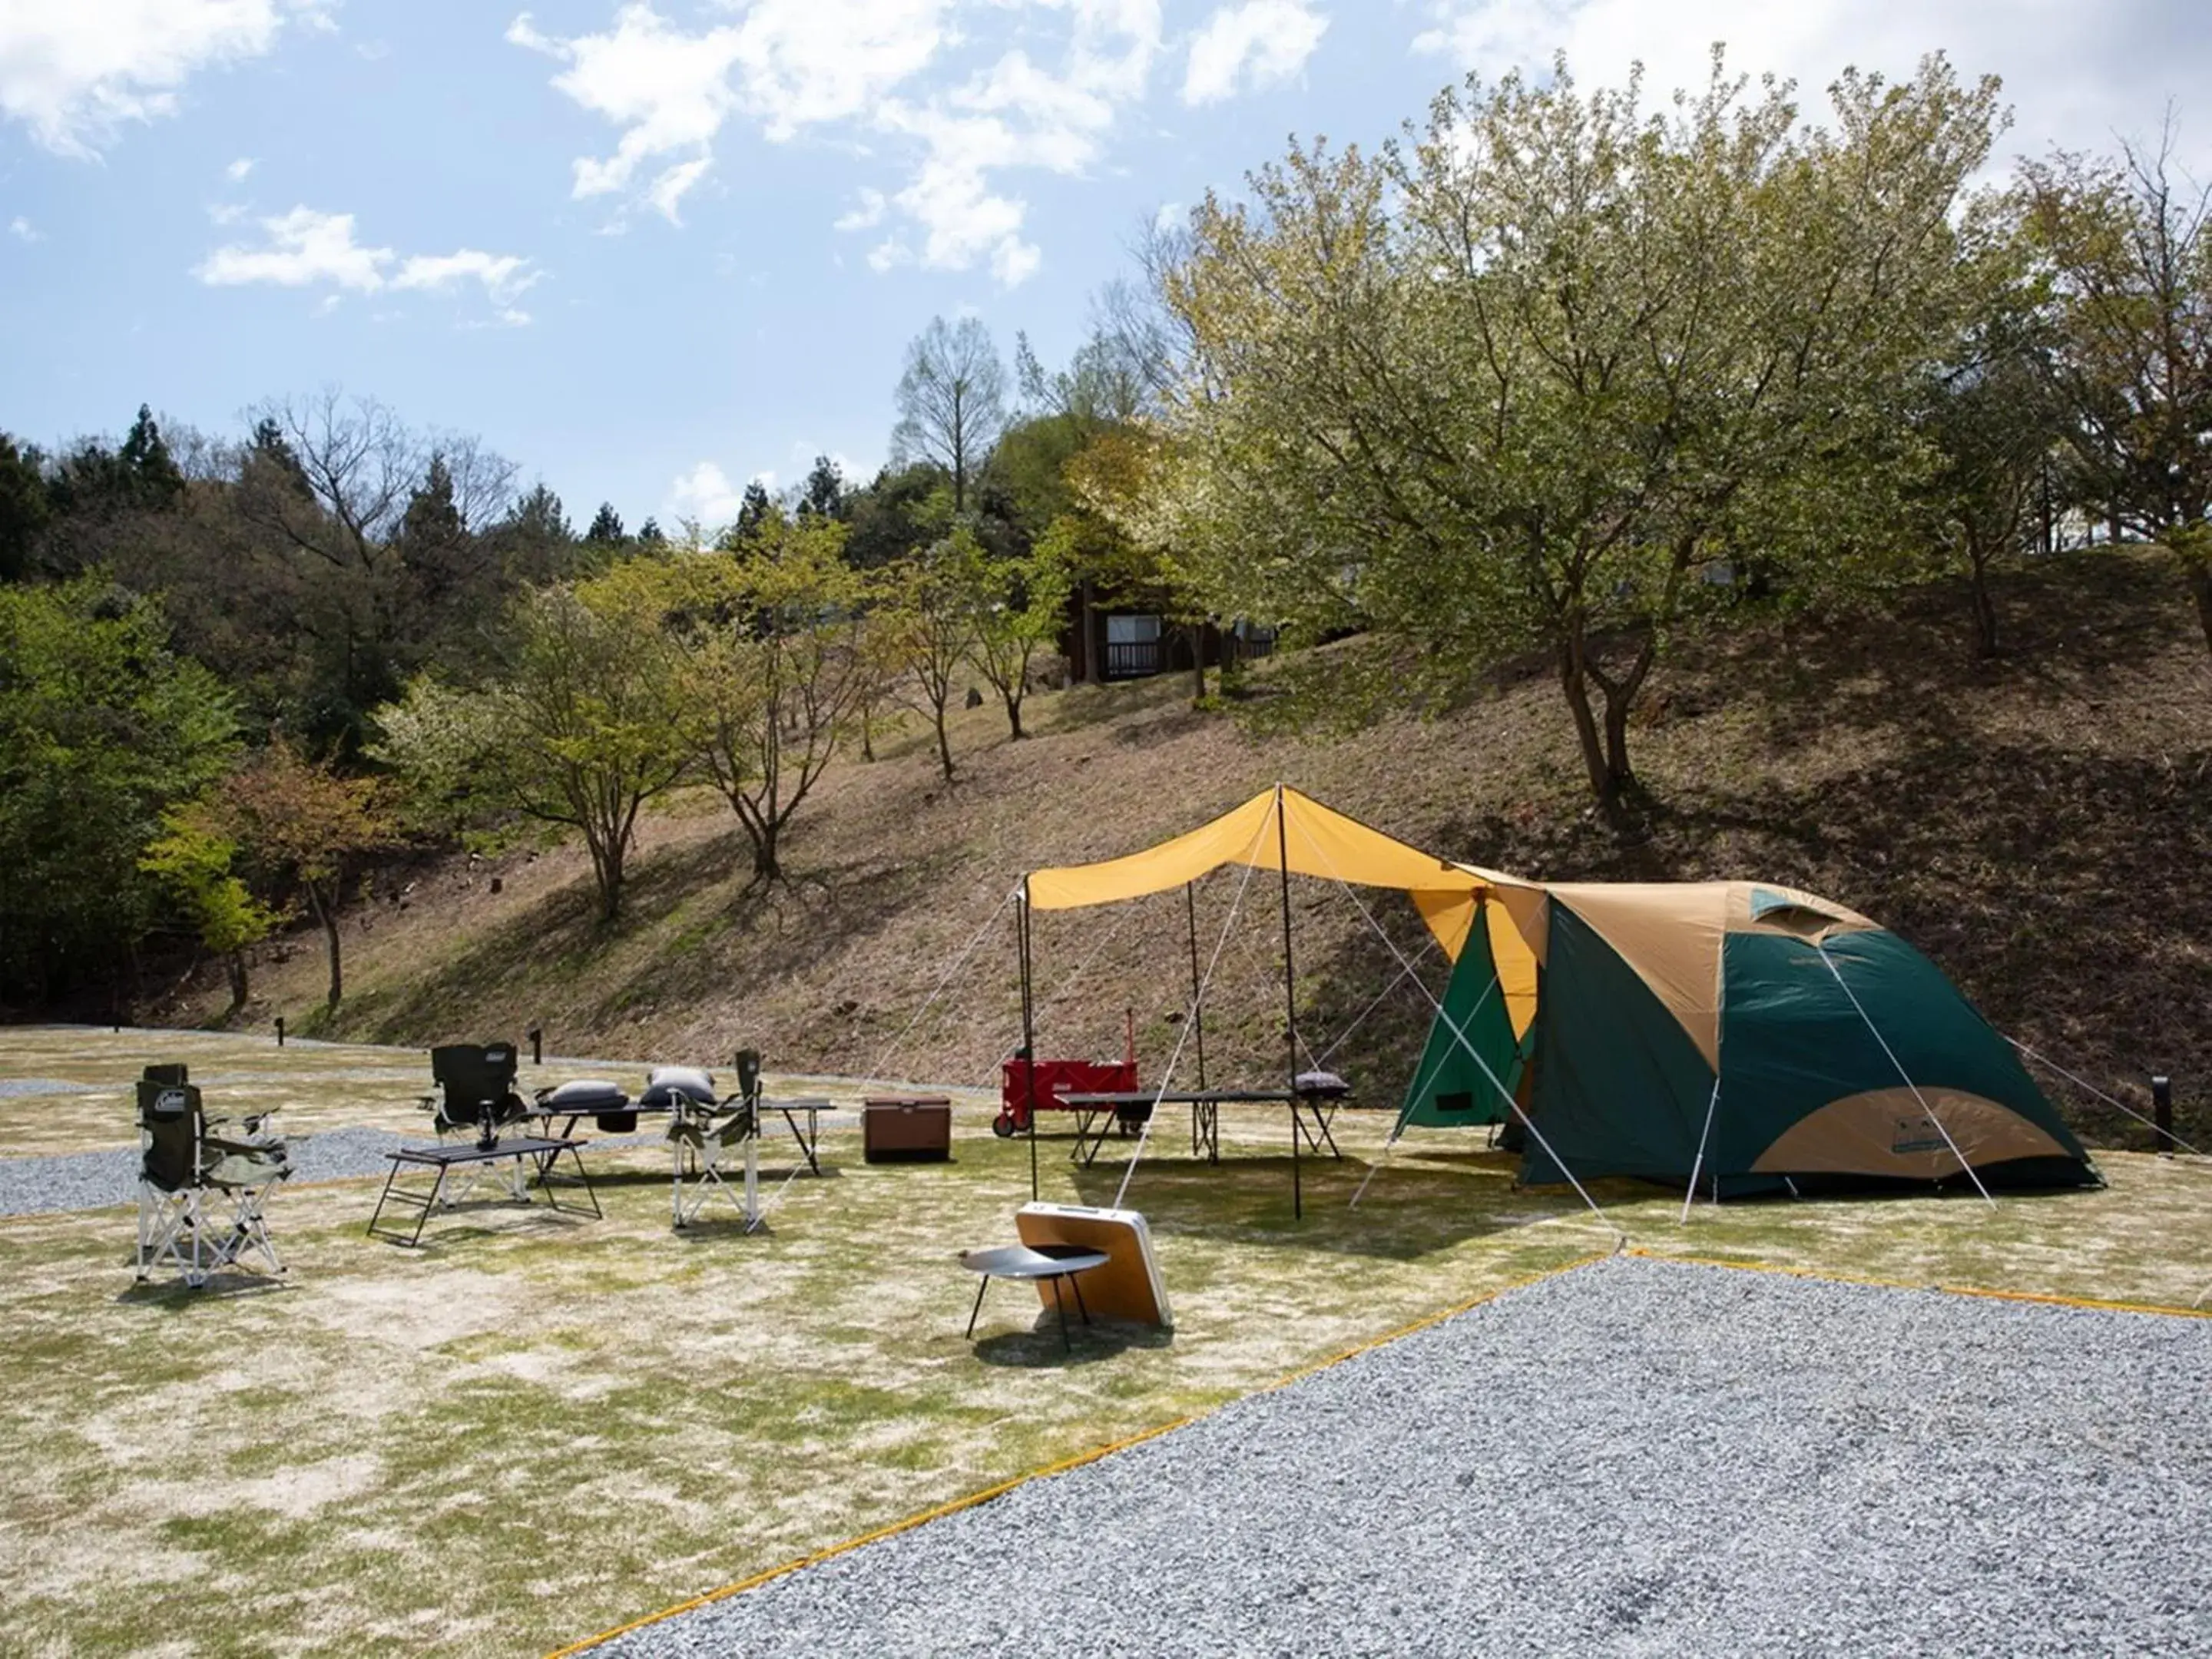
(536, 1426)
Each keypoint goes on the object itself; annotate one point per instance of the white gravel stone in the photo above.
(1635, 1458)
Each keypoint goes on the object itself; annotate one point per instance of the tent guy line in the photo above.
(1189, 1024)
(929, 1002)
(1461, 1036)
(990, 1078)
(1972, 1175)
(2116, 1105)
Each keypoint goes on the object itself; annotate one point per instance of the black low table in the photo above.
(545, 1152)
(1050, 1262)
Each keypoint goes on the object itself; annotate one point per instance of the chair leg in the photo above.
(977, 1309)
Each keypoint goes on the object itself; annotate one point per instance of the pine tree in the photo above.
(606, 529)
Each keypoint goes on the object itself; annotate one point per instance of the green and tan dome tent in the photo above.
(1729, 1035)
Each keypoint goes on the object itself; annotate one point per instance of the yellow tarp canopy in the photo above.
(1318, 842)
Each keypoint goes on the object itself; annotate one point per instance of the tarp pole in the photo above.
(1197, 1008)
(1972, 1175)
(1290, 999)
(1704, 1135)
(1473, 1053)
(1029, 1035)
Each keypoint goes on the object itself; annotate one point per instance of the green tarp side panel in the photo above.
(1619, 1087)
(1448, 1090)
(1791, 1040)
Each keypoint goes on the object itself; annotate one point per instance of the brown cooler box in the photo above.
(913, 1128)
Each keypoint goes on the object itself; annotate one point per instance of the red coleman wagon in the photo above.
(1059, 1078)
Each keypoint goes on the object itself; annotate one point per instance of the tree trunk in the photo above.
(1985, 612)
(610, 886)
(1197, 632)
(607, 873)
(1013, 701)
(767, 867)
(1089, 638)
(1620, 776)
(943, 743)
(2197, 567)
(236, 966)
(326, 912)
(1574, 680)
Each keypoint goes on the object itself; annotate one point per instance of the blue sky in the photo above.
(649, 250)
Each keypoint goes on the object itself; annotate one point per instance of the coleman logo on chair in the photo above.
(170, 1101)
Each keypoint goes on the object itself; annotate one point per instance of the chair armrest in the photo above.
(252, 1149)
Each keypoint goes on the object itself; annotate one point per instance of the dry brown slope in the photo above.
(2041, 825)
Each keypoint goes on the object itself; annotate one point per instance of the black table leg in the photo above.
(1061, 1307)
(1075, 1283)
(977, 1309)
(806, 1143)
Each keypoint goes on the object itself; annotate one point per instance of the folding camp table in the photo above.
(546, 1152)
(1310, 1116)
(802, 1117)
(810, 1138)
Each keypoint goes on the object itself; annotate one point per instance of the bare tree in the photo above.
(2128, 247)
(379, 530)
(951, 401)
(1148, 340)
(341, 483)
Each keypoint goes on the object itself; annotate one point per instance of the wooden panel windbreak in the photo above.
(1129, 1287)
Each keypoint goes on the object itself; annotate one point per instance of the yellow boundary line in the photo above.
(2096, 1303)
(1062, 1467)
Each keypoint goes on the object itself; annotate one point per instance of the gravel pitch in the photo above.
(1637, 1457)
(90, 1181)
(87, 1181)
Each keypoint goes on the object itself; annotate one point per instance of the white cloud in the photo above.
(504, 276)
(75, 71)
(1017, 114)
(304, 248)
(788, 63)
(868, 215)
(1244, 48)
(706, 495)
(308, 249)
(22, 230)
(668, 189)
(2076, 75)
(790, 67)
(228, 213)
(237, 170)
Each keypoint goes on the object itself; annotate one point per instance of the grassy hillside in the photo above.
(2041, 825)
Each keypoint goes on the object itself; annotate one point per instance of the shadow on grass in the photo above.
(1408, 1211)
(1039, 1348)
(175, 1296)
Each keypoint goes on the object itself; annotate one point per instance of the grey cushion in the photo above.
(664, 1083)
(586, 1094)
